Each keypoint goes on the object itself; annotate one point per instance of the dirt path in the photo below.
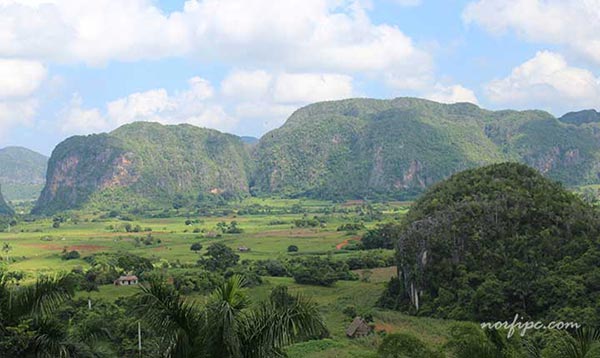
(346, 242)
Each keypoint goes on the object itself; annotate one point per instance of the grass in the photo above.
(37, 247)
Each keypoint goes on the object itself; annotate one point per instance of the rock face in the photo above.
(397, 148)
(22, 173)
(349, 149)
(144, 163)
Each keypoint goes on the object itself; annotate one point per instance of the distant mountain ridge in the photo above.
(22, 173)
(396, 148)
(353, 148)
(581, 117)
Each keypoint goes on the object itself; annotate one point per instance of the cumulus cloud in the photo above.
(304, 88)
(313, 36)
(193, 105)
(572, 23)
(247, 84)
(254, 97)
(451, 94)
(20, 78)
(546, 80)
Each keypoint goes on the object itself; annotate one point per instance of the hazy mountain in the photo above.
(581, 117)
(5, 209)
(22, 173)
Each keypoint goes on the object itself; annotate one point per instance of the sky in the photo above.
(76, 67)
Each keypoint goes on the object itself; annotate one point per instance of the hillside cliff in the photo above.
(144, 163)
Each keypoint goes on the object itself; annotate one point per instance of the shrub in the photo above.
(71, 255)
(196, 247)
(402, 345)
(292, 248)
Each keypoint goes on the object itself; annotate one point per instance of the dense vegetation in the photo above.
(144, 165)
(22, 173)
(492, 242)
(397, 148)
(356, 148)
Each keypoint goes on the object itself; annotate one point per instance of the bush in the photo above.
(71, 255)
(196, 247)
(402, 345)
(292, 248)
(321, 272)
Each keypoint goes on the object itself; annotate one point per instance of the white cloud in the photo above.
(77, 120)
(572, 23)
(301, 36)
(16, 112)
(451, 94)
(193, 105)
(547, 80)
(20, 78)
(305, 88)
(246, 84)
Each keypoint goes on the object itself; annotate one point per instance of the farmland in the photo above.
(268, 227)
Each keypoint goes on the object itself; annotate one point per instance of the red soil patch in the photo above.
(353, 203)
(384, 327)
(69, 248)
(86, 248)
(46, 246)
(346, 242)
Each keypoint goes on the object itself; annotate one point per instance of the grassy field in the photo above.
(36, 248)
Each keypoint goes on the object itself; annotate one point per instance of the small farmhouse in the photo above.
(358, 328)
(243, 249)
(126, 280)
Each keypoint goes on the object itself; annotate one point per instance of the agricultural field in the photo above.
(267, 227)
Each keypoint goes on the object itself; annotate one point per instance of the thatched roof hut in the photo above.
(358, 328)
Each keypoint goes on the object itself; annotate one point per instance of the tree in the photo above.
(227, 326)
(405, 346)
(71, 255)
(583, 343)
(6, 248)
(27, 323)
(219, 257)
(196, 247)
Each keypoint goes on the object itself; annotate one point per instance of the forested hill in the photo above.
(144, 164)
(355, 148)
(396, 148)
(22, 173)
(495, 241)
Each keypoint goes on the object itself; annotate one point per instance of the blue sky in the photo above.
(69, 67)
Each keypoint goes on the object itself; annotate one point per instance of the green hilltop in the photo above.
(397, 148)
(348, 149)
(144, 163)
(22, 173)
(495, 241)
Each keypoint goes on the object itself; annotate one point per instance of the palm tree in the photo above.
(579, 344)
(26, 316)
(227, 326)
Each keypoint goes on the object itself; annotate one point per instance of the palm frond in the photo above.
(175, 319)
(297, 319)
